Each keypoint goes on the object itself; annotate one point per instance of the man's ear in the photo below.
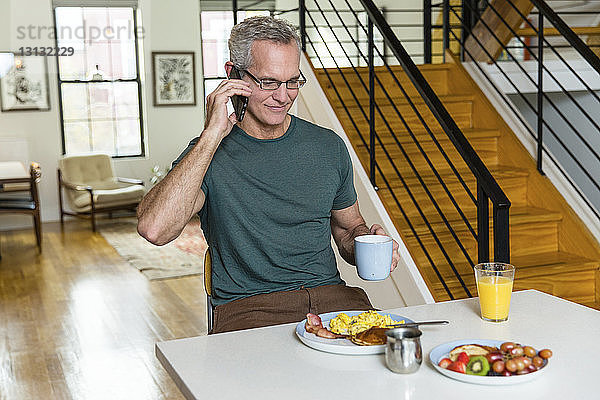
(228, 67)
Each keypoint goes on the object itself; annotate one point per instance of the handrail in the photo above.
(568, 34)
(463, 146)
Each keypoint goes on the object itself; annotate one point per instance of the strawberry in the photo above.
(458, 366)
(444, 362)
(463, 358)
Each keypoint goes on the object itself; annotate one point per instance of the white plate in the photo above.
(340, 346)
(443, 350)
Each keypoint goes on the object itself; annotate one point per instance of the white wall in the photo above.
(566, 134)
(167, 26)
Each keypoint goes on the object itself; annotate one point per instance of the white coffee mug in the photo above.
(373, 254)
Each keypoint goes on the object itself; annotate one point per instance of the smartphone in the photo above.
(239, 102)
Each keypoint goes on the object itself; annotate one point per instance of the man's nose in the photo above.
(281, 94)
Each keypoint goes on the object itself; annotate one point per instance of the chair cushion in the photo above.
(104, 198)
(84, 169)
(15, 196)
(17, 205)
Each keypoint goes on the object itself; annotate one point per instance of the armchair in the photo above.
(91, 187)
(24, 200)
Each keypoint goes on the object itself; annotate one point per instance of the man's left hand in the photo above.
(378, 230)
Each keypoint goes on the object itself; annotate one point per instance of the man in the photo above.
(270, 191)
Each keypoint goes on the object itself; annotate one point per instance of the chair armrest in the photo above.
(75, 187)
(130, 180)
(35, 171)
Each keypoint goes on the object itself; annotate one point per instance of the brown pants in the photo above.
(285, 307)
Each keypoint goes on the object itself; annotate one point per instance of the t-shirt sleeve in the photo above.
(191, 145)
(346, 194)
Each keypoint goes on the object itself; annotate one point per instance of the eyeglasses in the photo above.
(271, 84)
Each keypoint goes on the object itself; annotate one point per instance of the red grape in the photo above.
(506, 346)
(529, 351)
(516, 351)
(510, 365)
(546, 353)
(498, 366)
(493, 357)
(520, 363)
(538, 361)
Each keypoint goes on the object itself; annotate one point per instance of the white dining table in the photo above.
(272, 363)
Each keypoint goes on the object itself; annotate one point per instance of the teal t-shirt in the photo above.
(267, 212)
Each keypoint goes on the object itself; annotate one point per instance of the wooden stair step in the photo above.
(397, 69)
(437, 77)
(524, 239)
(399, 162)
(462, 101)
(558, 273)
(527, 266)
(579, 30)
(486, 147)
(461, 112)
(500, 172)
(532, 231)
(519, 215)
(399, 128)
(386, 138)
(513, 182)
(421, 135)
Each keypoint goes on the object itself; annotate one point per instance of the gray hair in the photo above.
(258, 28)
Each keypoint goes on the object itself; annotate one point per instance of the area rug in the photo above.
(182, 257)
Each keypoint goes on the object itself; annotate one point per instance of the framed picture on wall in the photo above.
(174, 78)
(23, 83)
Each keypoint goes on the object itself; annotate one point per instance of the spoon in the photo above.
(419, 323)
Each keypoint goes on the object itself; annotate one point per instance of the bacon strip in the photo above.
(315, 325)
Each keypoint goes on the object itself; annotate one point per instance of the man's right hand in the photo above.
(217, 120)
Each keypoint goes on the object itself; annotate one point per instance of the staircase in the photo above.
(550, 247)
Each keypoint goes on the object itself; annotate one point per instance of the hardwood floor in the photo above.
(78, 322)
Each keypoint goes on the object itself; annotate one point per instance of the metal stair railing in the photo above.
(572, 153)
(338, 39)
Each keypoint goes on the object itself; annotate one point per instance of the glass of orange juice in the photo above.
(494, 286)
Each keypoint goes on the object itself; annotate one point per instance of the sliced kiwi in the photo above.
(478, 365)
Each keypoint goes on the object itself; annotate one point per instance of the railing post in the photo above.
(446, 26)
(501, 234)
(473, 7)
(302, 12)
(234, 6)
(483, 225)
(427, 31)
(371, 46)
(540, 94)
(465, 27)
(385, 48)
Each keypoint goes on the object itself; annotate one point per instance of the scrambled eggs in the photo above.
(346, 325)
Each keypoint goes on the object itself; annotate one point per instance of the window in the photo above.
(216, 26)
(99, 85)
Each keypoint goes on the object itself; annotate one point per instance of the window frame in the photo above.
(137, 79)
(241, 15)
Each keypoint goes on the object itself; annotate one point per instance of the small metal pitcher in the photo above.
(403, 353)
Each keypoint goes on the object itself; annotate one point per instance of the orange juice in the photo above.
(494, 297)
